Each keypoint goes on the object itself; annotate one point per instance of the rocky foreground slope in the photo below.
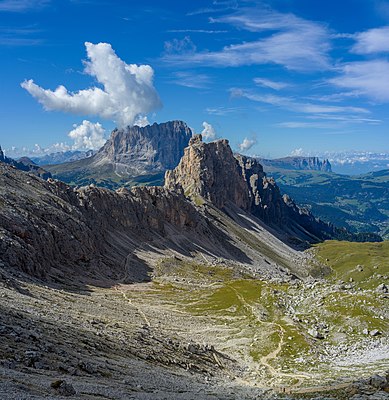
(175, 292)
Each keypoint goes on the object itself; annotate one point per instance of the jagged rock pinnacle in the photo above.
(210, 172)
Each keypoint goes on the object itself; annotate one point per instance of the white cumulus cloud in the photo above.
(247, 144)
(127, 92)
(208, 133)
(87, 136)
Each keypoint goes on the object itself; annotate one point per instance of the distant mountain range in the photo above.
(297, 163)
(61, 157)
(355, 162)
(359, 203)
(25, 164)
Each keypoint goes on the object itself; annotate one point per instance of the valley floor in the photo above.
(204, 331)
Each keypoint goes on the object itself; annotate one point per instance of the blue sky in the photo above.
(271, 76)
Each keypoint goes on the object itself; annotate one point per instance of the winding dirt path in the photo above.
(142, 314)
(271, 356)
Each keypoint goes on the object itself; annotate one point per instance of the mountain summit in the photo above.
(131, 155)
(139, 150)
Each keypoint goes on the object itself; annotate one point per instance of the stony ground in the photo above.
(196, 331)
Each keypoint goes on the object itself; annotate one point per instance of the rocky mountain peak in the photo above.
(209, 171)
(154, 147)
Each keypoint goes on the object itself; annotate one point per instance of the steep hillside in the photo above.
(53, 231)
(210, 172)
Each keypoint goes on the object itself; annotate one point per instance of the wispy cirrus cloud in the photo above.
(179, 46)
(328, 122)
(283, 39)
(221, 111)
(19, 37)
(217, 6)
(268, 83)
(355, 119)
(18, 41)
(338, 97)
(295, 105)
(191, 79)
(305, 125)
(196, 31)
(372, 41)
(22, 5)
(369, 78)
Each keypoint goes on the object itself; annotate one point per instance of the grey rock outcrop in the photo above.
(214, 178)
(154, 147)
(211, 171)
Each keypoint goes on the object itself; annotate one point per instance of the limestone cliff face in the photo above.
(140, 150)
(212, 172)
(215, 178)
